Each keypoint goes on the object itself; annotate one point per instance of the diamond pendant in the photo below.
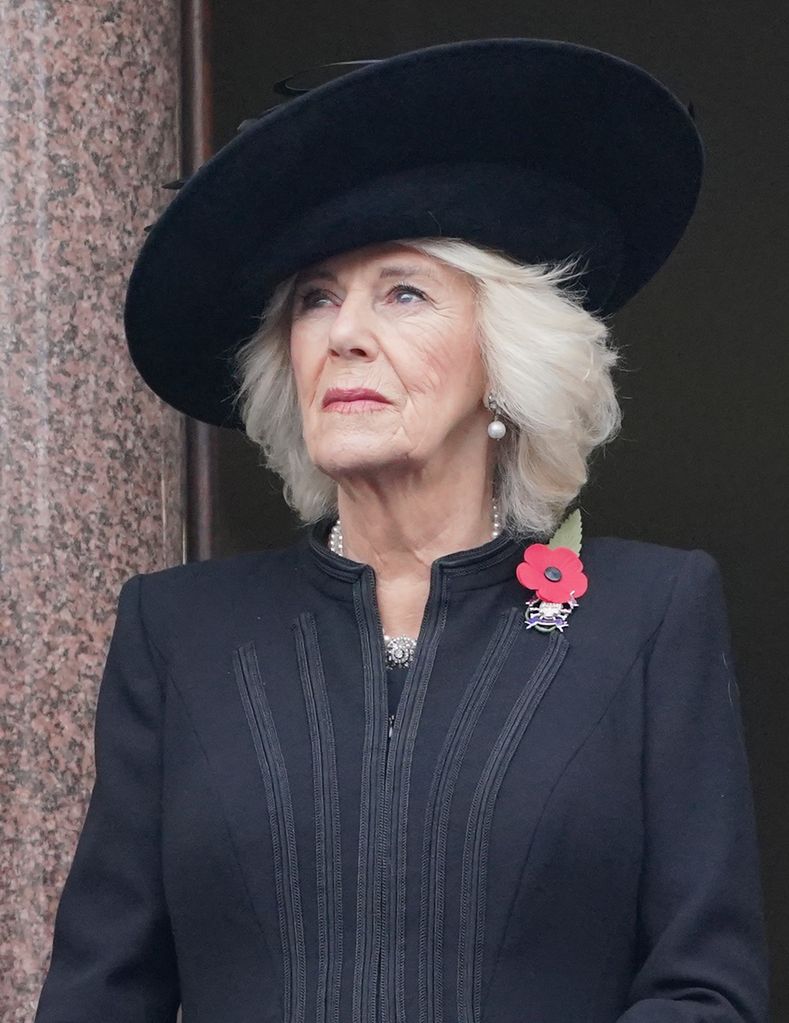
(399, 650)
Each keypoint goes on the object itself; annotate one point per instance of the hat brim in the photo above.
(540, 149)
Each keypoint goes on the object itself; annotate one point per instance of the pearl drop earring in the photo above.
(496, 429)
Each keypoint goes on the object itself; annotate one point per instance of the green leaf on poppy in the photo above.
(569, 533)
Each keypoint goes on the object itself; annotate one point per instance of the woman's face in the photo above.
(395, 321)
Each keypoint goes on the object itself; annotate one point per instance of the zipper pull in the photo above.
(391, 724)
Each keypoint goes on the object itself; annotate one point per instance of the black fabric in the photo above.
(538, 149)
(560, 828)
(395, 677)
(542, 217)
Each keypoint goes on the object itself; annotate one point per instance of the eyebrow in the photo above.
(322, 273)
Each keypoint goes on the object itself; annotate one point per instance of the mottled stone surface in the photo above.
(91, 461)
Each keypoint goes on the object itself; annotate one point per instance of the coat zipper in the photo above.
(427, 629)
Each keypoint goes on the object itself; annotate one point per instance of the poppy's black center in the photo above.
(552, 574)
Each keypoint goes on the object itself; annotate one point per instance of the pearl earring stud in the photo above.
(496, 429)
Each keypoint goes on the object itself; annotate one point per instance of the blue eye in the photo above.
(305, 299)
(310, 299)
(407, 289)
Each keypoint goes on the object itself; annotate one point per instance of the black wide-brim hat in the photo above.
(537, 149)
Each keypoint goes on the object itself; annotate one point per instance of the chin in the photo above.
(364, 457)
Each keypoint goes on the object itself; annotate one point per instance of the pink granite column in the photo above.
(91, 463)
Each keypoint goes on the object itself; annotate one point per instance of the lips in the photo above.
(336, 394)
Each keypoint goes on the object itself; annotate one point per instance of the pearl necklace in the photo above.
(400, 649)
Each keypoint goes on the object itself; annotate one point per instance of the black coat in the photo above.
(559, 830)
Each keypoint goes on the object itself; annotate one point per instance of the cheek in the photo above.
(304, 363)
(446, 362)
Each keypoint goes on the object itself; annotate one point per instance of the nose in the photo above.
(352, 330)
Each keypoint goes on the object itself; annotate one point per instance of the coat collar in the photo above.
(487, 565)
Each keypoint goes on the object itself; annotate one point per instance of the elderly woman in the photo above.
(435, 761)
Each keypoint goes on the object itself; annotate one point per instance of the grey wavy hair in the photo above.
(548, 362)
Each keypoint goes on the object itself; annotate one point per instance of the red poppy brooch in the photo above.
(555, 573)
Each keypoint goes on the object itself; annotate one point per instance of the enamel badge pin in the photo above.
(555, 573)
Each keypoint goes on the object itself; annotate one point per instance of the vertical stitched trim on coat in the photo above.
(328, 852)
(442, 787)
(368, 888)
(283, 833)
(471, 935)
